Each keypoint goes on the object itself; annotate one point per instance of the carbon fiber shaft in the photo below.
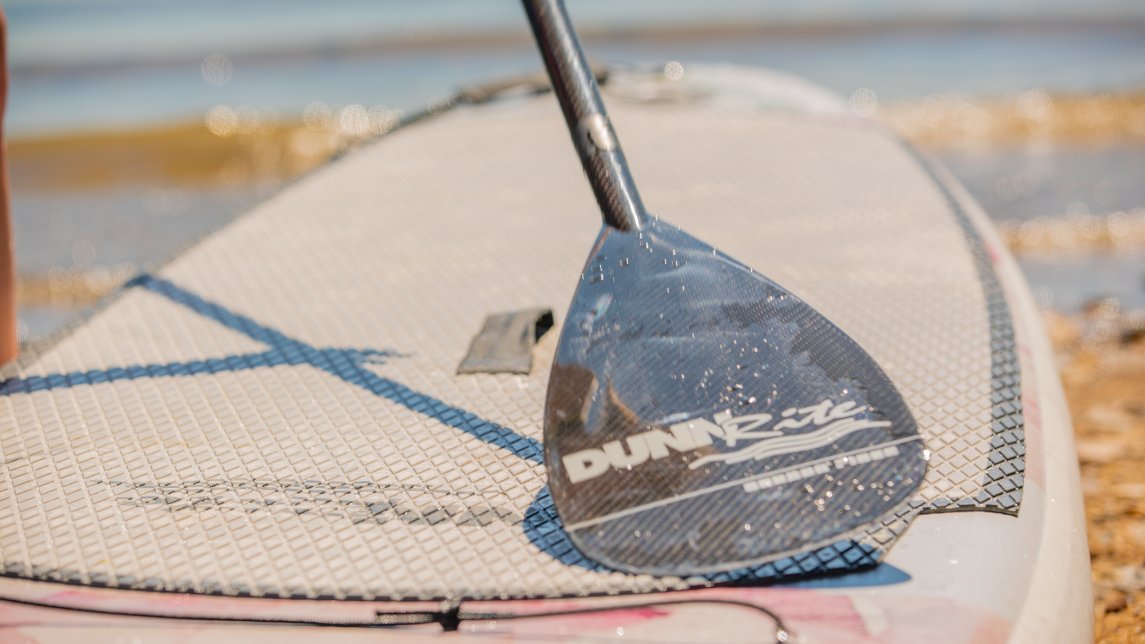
(588, 123)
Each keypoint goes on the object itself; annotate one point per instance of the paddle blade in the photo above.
(700, 418)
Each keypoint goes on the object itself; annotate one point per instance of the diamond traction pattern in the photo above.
(1001, 485)
(235, 458)
(927, 333)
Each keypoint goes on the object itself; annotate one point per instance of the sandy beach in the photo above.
(1102, 361)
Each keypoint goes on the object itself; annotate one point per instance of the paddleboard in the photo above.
(268, 436)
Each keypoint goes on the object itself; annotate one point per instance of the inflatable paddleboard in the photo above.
(270, 437)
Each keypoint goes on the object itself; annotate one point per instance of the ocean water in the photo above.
(98, 65)
(127, 63)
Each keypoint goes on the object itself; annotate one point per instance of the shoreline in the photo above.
(240, 150)
(182, 154)
(236, 145)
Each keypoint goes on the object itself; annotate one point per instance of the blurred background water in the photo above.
(136, 126)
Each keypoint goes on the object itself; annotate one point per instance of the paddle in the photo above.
(700, 417)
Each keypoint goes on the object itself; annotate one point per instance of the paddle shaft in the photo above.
(588, 123)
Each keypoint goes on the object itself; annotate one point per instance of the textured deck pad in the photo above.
(277, 411)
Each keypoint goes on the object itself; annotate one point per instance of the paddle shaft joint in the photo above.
(588, 122)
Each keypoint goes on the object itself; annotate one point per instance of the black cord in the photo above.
(450, 619)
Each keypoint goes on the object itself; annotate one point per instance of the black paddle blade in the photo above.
(700, 418)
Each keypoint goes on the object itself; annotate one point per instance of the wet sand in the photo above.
(1102, 361)
(1035, 115)
(188, 155)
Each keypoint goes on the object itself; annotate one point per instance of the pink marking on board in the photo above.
(907, 620)
(162, 605)
(1032, 417)
(812, 614)
(992, 252)
(833, 612)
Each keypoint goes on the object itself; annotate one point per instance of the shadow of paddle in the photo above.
(347, 364)
(843, 564)
(545, 531)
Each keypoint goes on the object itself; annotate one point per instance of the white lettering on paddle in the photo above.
(759, 435)
(655, 444)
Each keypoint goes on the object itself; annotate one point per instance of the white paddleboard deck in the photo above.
(271, 426)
